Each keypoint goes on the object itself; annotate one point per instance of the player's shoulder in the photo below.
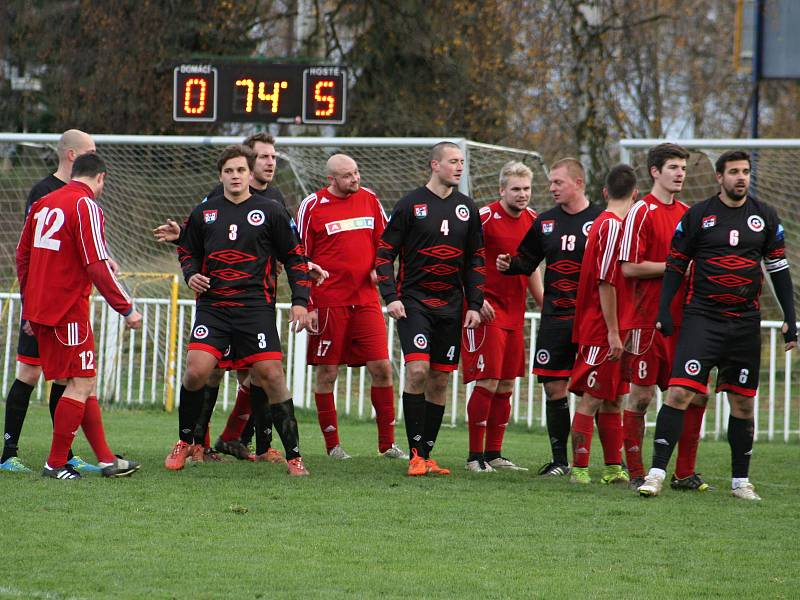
(530, 213)
(594, 210)
(217, 192)
(308, 203)
(763, 208)
(368, 193)
(551, 214)
(460, 198)
(486, 212)
(703, 206)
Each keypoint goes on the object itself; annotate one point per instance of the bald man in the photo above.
(341, 227)
(72, 144)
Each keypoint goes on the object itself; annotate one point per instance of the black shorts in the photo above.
(731, 345)
(247, 335)
(555, 353)
(28, 348)
(430, 337)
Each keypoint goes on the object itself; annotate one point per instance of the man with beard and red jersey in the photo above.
(558, 236)
(597, 375)
(436, 232)
(648, 355)
(725, 238)
(493, 355)
(340, 228)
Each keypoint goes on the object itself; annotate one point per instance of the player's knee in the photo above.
(742, 407)
(639, 399)
(326, 377)
(381, 372)
(270, 374)
(504, 386)
(28, 374)
(700, 400)
(555, 390)
(679, 397)
(243, 377)
(438, 381)
(80, 388)
(195, 376)
(215, 378)
(416, 373)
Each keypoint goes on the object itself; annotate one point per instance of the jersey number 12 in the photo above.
(53, 220)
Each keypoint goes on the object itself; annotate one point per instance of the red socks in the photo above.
(326, 414)
(686, 461)
(66, 422)
(582, 430)
(239, 415)
(498, 420)
(609, 426)
(478, 407)
(383, 402)
(92, 426)
(633, 434)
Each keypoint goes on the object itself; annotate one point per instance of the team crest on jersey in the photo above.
(255, 218)
(709, 222)
(420, 211)
(692, 367)
(586, 227)
(209, 216)
(462, 212)
(542, 357)
(420, 341)
(548, 226)
(755, 223)
(201, 332)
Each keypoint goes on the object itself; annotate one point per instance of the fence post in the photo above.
(173, 335)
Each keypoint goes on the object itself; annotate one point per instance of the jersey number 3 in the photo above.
(48, 222)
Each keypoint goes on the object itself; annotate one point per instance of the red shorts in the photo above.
(66, 350)
(489, 352)
(594, 374)
(648, 357)
(349, 335)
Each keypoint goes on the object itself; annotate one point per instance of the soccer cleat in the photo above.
(14, 465)
(503, 464)
(416, 464)
(121, 467)
(177, 458)
(478, 466)
(211, 455)
(433, 468)
(580, 475)
(65, 472)
(197, 453)
(553, 469)
(338, 453)
(395, 452)
(234, 448)
(81, 466)
(272, 456)
(296, 468)
(745, 491)
(636, 483)
(651, 486)
(691, 483)
(614, 474)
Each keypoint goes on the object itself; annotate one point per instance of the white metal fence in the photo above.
(133, 370)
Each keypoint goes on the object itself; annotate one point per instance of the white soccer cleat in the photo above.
(745, 491)
(395, 453)
(651, 486)
(478, 466)
(338, 453)
(501, 463)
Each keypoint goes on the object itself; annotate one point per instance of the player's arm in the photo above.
(388, 248)
(647, 269)
(473, 273)
(289, 250)
(680, 255)
(170, 231)
(536, 288)
(529, 254)
(633, 239)
(23, 255)
(380, 226)
(608, 306)
(777, 265)
(608, 241)
(191, 251)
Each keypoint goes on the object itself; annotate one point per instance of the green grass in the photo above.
(363, 529)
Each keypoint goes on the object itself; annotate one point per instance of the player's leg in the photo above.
(741, 430)
(479, 406)
(262, 424)
(230, 440)
(382, 397)
(210, 395)
(17, 402)
(326, 409)
(482, 354)
(609, 428)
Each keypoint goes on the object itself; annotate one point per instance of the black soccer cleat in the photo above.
(553, 469)
(636, 482)
(692, 483)
(121, 467)
(65, 472)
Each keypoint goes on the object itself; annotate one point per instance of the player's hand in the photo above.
(373, 277)
(472, 319)
(278, 268)
(503, 262)
(168, 232)
(317, 273)
(26, 327)
(298, 318)
(313, 321)
(112, 264)
(614, 345)
(664, 323)
(199, 283)
(789, 336)
(396, 310)
(133, 320)
(487, 311)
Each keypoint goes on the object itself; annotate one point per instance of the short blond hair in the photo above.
(514, 168)
(573, 167)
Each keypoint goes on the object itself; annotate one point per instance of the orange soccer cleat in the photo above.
(271, 456)
(177, 458)
(434, 469)
(197, 453)
(296, 467)
(416, 466)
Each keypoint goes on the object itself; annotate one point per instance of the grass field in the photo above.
(361, 528)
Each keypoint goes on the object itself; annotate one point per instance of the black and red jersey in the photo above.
(237, 245)
(440, 245)
(725, 247)
(559, 239)
(270, 191)
(51, 183)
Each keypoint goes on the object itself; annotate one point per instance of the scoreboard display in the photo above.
(260, 92)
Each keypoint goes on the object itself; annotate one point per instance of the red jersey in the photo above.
(647, 236)
(502, 234)
(59, 257)
(341, 235)
(599, 264)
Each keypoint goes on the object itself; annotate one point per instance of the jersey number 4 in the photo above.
(48, 222)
